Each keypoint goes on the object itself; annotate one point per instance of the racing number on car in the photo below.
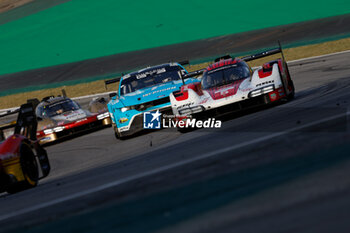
(222, 93)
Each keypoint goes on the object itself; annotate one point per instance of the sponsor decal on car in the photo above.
(123, 120)
(157, 91)
(45, 139)
(185, 105)
(225, 91)
(267, 82)
(151, 72)
(273, 96)
(84, 119)
(204, 101)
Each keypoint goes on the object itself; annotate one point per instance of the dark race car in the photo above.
(23, 162)
(60, 116)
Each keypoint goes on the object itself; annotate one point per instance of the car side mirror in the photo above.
(111, 95)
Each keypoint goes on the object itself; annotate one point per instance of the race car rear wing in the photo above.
(183, 63)
(264, 54)
(223, 58)
(110, 81)
(261, 55)
(11, 112)
(10, 124)
(26, 123)
(191, 74)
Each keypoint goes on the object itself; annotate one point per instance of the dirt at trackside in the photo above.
(6, 5)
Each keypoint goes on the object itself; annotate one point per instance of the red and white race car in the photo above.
(231, 85)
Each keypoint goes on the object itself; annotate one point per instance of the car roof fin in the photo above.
(227, 56)
(47, 98)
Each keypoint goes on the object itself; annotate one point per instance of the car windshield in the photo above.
(149, 78)
(225, 75)
(58, 108)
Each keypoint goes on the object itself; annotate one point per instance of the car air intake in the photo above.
(144, 106)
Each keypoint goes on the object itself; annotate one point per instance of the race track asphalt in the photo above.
(280, 169)
(237, 44)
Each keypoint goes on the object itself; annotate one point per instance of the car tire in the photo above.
(30, 170)
(117, 134)
(291, 95)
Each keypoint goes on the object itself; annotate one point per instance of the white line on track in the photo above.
(165, 168)
(106, 93)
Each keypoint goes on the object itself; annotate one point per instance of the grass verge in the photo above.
(99, 87)
(6, 5)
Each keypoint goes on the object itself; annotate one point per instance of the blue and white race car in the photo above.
(143, 91)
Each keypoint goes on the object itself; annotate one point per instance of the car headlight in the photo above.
(191, 110)
(102, 116)
(48, 131)
(54, 130)
(260, 91)
(268, 89)
(58, 129)
(255, 93)
(124, 109)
